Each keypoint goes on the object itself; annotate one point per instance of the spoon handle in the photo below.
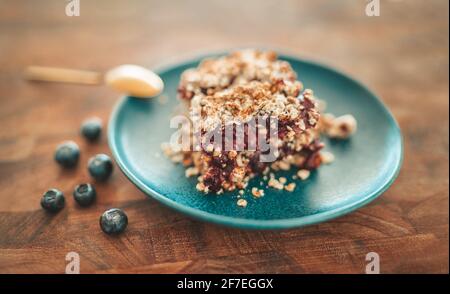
(62, 75)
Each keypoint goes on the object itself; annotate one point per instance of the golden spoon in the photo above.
(133, 80)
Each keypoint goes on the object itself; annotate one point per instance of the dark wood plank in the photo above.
(402, 55)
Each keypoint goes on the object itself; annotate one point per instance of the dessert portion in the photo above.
(249, 115)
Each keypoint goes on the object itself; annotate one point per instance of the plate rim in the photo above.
(255, 223)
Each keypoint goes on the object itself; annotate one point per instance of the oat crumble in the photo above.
(241, 86)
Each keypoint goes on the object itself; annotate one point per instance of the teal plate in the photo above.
(364, 167)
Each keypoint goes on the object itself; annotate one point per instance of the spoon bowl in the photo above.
(132, 80)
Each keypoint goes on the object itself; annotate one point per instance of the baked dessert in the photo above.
(248, 115)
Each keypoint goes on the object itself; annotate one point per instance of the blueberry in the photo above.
(100, 167)
(92, 128)
(53, 200)
(84, 194)
(67, 154)
(113, 221)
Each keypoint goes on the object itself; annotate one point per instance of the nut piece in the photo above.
(326, 157)
(242, 202)
(201, 187)
(274, 183)
(257, 192)
(303, 174)
(290, 187)
(342, 127)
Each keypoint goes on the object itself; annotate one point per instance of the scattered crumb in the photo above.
(274, 183)
(242, 202)
(303, 174)
(327, 157)
(290, 187)
(282, 180)
(241, 192)
(257, 192)
(294, 177)
(342, 127)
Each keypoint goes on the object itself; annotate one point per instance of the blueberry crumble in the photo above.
(223, 96)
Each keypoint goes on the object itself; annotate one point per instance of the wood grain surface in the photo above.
(402, 55)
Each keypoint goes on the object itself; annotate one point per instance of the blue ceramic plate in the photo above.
(365, 166)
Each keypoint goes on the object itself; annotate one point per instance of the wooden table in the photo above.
(402, 55)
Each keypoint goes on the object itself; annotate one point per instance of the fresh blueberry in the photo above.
(84, 194)
(53, 200)
(113, 221)
(100, 167)
(92, 128)
(67, 154)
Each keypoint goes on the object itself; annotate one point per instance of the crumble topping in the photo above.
(239, 68)
(256, 100)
